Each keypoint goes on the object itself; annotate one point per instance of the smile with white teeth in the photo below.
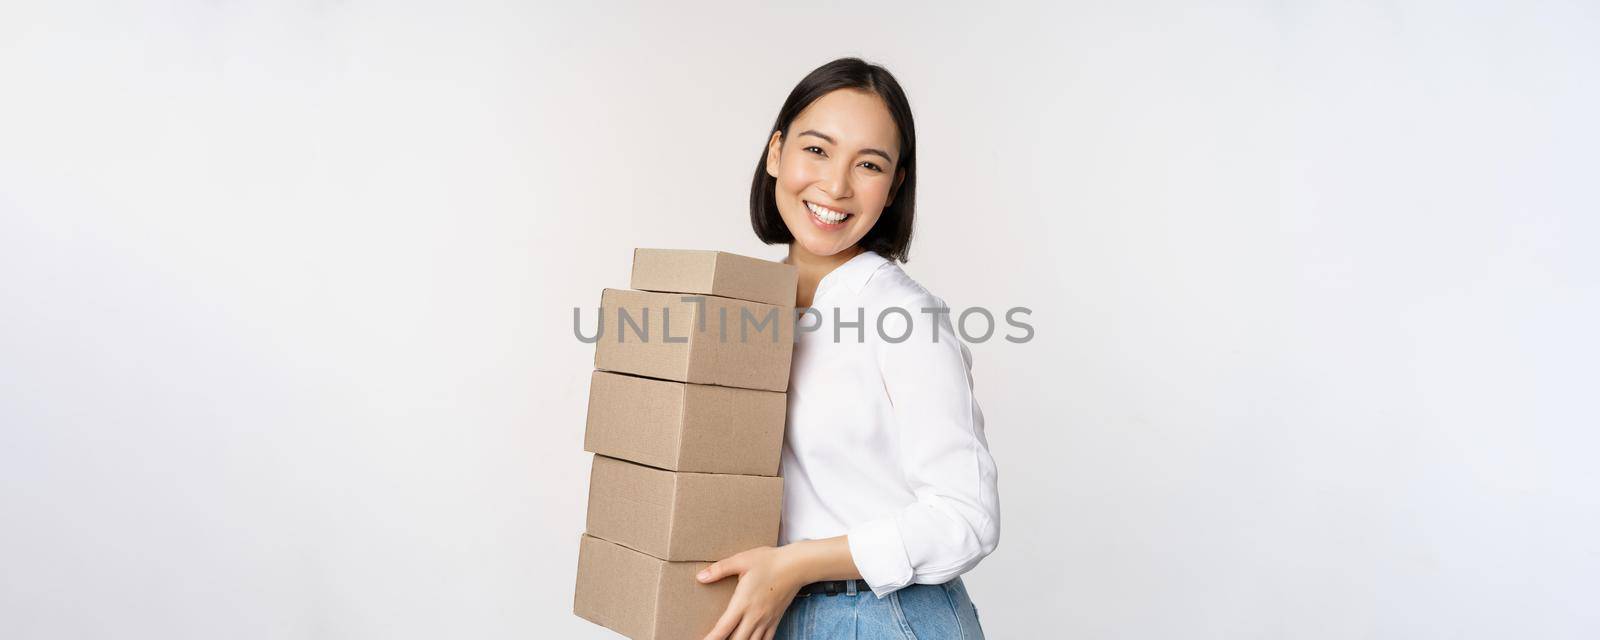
(825, 214)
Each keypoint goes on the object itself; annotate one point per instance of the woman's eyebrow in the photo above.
(819, 134)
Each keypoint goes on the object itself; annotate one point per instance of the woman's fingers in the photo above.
(749, 615)
(726, 624)
(731, 565)
(746, 626)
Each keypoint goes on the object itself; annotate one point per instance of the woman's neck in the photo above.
(813, 267)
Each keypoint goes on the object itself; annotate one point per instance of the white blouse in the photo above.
(884, 440)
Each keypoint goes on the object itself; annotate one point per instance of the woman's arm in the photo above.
(769, 578)
(825, 559)
(954, 522)
(944, 456)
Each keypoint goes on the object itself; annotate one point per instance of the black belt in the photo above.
(834, 587)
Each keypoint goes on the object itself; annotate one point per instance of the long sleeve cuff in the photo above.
(880, 555)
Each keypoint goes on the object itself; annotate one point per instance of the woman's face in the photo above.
(837, 171)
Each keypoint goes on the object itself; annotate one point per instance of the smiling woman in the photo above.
(889, 489)
(854, 141)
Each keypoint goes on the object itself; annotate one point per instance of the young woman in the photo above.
(889, 488)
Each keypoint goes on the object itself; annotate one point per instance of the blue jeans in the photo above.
(917, 612)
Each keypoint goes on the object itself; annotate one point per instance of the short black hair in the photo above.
(891, 235)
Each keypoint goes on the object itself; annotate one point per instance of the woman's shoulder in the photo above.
(890, 285)
(912, 321)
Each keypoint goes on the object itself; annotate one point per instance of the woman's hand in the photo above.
(768, 582)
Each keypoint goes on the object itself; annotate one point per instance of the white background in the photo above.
(286, 299)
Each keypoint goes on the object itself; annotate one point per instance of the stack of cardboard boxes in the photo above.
(686, 416)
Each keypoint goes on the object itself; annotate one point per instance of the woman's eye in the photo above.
(818, 151)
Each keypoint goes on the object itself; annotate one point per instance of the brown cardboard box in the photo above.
(714, 273)
(682, 516)
(703, 340)
(685, 427)
(645, 598)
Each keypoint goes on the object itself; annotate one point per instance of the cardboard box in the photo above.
(702, 339)
(646, 598)
(685, 427)
(682, 516)
(714, 273)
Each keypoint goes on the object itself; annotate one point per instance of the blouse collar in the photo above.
(854, 273)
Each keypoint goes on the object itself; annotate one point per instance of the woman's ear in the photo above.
(774, 151)
(899, 177)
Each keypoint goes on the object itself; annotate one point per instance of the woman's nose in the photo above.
(837, 183)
